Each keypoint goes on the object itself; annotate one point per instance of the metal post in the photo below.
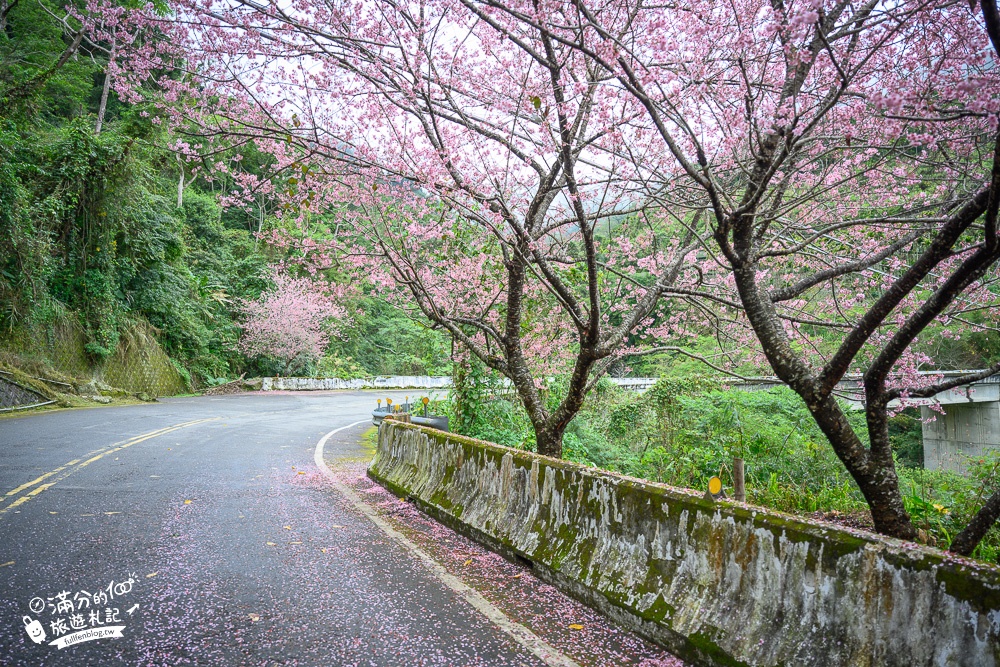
(739, 481)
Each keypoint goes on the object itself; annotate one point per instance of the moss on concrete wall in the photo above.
(719, 583)
(138, 364)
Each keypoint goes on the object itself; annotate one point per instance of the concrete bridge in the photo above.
(958, 424)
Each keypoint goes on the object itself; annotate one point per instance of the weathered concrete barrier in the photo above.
(404, 382)
(321, 384)
(716, 583)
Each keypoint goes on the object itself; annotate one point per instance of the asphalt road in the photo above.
(197, 531)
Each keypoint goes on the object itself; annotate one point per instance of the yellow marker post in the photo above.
(715, 489)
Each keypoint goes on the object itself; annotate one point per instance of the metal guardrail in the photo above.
(14, 395)
(423, 418)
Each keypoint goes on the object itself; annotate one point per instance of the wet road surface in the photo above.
(200, 531)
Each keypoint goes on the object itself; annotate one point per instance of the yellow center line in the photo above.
(27, 485)
(38, 490)
(137, 440)
(30, 484)
(95, 455)
(19, 501)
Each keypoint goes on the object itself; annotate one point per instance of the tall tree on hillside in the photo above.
(88, 37)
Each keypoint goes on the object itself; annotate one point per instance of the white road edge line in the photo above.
(520, 634)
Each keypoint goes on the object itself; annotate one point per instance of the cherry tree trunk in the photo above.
(548, 439)
(874, 475)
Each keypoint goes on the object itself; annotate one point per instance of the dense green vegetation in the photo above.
(382, 340)
(90, 229)
(687, 429)
(94, 239)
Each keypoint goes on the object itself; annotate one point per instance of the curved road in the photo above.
(198, 531)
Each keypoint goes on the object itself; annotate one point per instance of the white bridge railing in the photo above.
(986, 390)
(321, 384)
(401, 382)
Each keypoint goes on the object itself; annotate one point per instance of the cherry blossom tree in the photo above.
(486, 183)
(291, 322)
(847, 156)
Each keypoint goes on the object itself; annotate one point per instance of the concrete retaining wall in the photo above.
(14, 395)
(406, 382)
(716, 583)
(392, 382)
